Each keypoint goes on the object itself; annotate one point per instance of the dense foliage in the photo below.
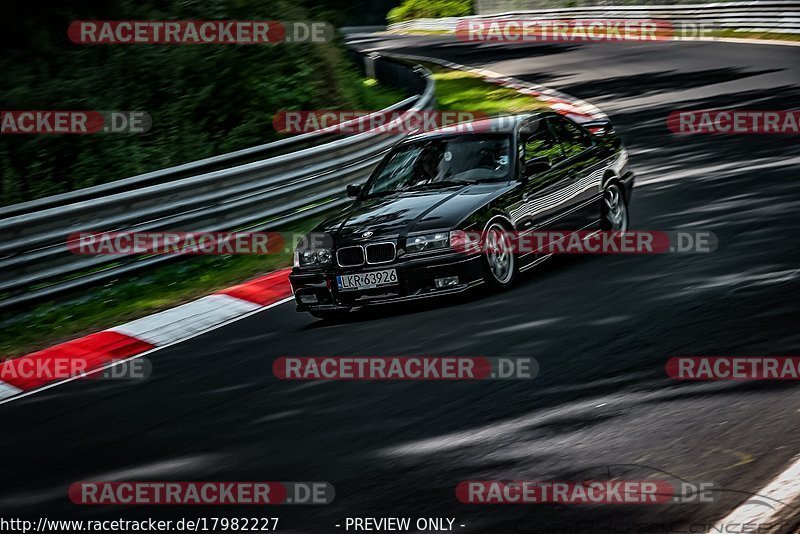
(415, 9)
(203, 99)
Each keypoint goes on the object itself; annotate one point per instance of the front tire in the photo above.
(615, 217)
(499, 261)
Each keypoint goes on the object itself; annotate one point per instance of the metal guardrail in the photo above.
(349, 30)
(488, 7)
(758, 16)
(253, 189)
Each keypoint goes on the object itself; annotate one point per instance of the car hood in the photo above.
(410, 211)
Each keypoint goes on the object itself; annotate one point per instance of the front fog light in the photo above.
(308, 299)
(450, 281)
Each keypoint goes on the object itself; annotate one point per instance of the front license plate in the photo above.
(352, 282)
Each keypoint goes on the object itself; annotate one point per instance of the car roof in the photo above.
(503, 124)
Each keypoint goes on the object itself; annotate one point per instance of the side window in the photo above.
(541, 144)
(573, 139)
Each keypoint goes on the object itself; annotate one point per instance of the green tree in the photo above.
(203, 99)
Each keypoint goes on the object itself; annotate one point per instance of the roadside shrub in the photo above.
(415, 9)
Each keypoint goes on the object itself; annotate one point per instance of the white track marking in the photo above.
(744, 40)
(186, 321)
(7, 390)
(779, 493)
(145, 353)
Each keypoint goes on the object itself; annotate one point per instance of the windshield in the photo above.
(442, 162)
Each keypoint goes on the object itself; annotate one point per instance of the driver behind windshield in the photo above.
(430, 162)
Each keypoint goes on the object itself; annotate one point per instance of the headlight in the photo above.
(309, 257)
(425, 242)
(310, 252)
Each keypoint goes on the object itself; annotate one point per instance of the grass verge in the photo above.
(769, 36)
(458, 90)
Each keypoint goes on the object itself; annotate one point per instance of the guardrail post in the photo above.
(369, 64)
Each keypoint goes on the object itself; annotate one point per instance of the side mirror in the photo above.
(599, 127)
(537, 165)
(353, 190)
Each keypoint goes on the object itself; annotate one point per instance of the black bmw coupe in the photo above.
(496, 176)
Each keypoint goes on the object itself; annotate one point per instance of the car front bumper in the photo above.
(318, 289)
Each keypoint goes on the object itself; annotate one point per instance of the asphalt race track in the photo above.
(601, 328)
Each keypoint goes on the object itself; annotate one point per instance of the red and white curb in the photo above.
(574, 108)
(767, 504)
(134, 339)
